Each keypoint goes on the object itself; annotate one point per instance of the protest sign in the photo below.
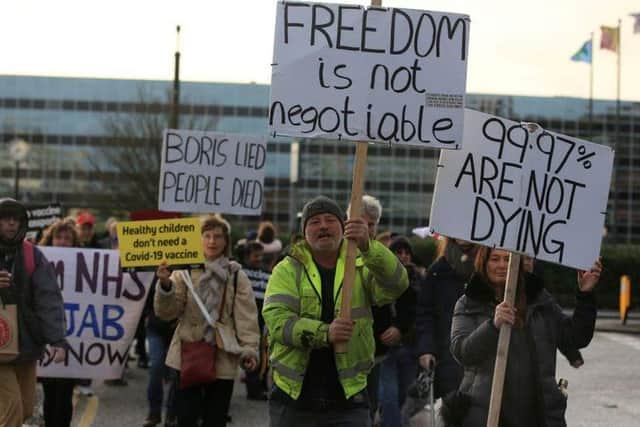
(40, 217)
(259, 279)
(536, 192)
(102, 309)
(148, 243)
(369, 74)
(212, 172)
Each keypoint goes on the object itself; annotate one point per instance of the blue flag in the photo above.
(584, 54)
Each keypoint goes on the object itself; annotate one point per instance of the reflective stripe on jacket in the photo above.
(293, 306)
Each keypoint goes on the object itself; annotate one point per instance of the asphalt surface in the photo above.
(603, 392)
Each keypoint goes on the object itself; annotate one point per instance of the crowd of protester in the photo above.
(443, 317)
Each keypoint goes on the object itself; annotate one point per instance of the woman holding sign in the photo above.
(531, 396)
(214, 306)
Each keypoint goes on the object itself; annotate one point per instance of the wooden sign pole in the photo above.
(357, 188)
(355, 208)
(503, 344)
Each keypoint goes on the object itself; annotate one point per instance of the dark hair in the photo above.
(401, 242)
(10, 208)
(253, 246)
(266, 232)
(216, 221)
(60, 226)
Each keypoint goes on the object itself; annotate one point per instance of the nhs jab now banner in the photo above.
(212, 172)
(102, 308)
(538, 193)
(369, 73)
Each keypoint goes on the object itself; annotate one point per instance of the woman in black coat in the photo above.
(531, 396)
(443, 286)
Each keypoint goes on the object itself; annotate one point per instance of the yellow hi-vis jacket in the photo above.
(293, 306)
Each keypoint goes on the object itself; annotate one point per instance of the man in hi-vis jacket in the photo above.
(313, 384)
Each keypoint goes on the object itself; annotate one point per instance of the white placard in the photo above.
(102, 309)
(369, 74)
(212, 172)
(537, 193)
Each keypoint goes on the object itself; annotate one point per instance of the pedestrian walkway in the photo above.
(609, 321)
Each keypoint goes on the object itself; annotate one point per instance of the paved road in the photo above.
(604, 392)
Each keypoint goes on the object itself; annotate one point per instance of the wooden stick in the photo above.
(357, 187)
(497, 386)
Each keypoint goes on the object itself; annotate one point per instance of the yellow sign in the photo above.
(147, 243)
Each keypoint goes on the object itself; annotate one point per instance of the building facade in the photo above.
(68, 125)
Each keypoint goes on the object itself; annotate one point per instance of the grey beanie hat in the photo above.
(320, 205)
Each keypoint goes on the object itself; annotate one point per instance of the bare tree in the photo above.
(129, 162)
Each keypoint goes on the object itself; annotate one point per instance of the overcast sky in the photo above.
(516, 47)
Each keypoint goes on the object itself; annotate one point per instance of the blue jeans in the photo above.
(397, 372)
(158, 347)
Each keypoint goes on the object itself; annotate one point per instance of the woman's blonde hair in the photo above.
(55, 229)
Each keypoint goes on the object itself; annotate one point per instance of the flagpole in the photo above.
(591, 88)
(617, 144)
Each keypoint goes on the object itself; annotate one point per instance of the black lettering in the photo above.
(366, 29)
(173, 153)
(287, 23)
(523, 147)
(348, 81)
(442, 125)
(505, 221)
(450, 33)
(273, 109)
(501, 135)
(346, 112)
(485, 176)
(468, 162)
(555, 183)
(476, 206)
(82, 273)
(372, 86)
(419, 30)
(395, 77)
(321, 74)
(395, 13)
(573, 184)
(504, 180)
(339, 44)
(315, 26)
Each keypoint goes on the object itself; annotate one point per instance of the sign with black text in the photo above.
(212, 172)
(369, 74)
(524, 189)
(145, 244)
(40, 217)
(102, 308)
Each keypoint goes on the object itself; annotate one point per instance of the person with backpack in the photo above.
(28, 283)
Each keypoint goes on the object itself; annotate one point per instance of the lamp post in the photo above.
(18, 149)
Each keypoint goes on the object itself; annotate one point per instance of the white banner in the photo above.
(369, 73)
(102, 308)
(212, 172)
(538, 193)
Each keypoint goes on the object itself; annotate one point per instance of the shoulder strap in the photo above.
(28, 254)
(235, 290)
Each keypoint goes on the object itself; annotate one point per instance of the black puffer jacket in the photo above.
(531, 396)
(436, 300)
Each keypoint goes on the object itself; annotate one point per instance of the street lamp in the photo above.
(18, 149)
